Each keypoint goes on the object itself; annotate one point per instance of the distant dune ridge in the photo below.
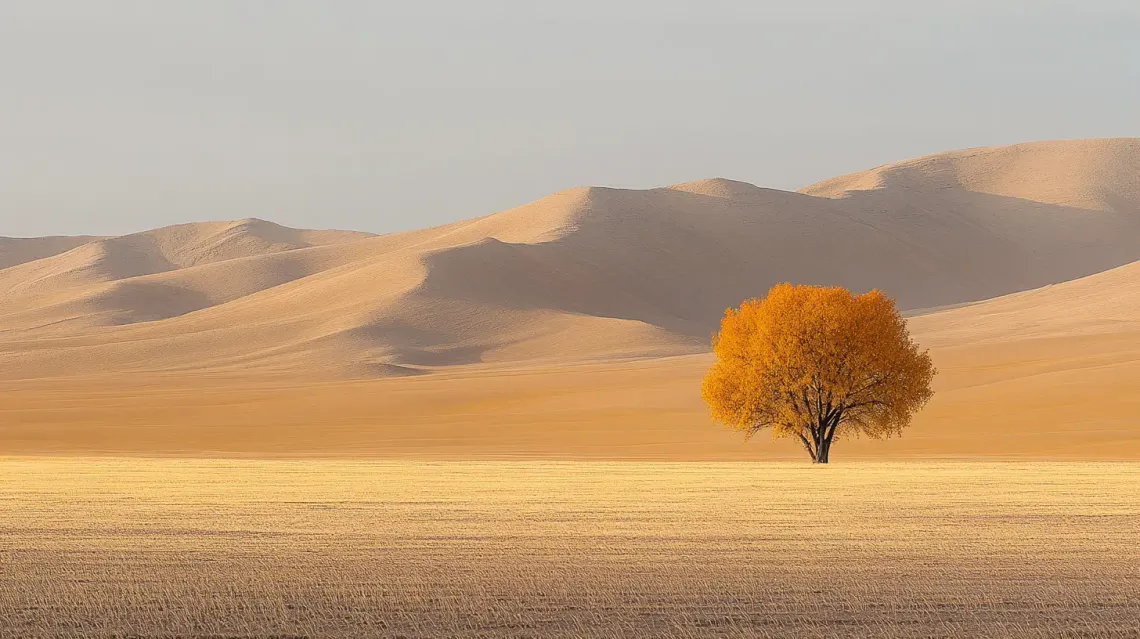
(584, 274)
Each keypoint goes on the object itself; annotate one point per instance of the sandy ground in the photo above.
(1068, 398)
(384, 549)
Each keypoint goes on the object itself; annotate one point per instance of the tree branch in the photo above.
(835, 422)
(807, 444)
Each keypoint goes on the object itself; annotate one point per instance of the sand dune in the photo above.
(591, 308)
(147, 276)
(1100, 304)
(1097, 175)
(584, 274)
(17, 250)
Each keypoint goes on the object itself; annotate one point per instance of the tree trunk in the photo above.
(824, 450)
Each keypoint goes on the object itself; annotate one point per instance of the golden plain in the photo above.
(279, 548)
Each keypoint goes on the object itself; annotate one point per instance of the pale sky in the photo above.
(118, 116)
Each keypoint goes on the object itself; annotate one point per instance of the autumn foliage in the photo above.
(817, 364)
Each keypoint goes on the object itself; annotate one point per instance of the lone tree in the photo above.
(817, 363)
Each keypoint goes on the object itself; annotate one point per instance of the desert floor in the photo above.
(227, 548)
(1071, 397)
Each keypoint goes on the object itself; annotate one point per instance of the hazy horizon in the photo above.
(378, 117)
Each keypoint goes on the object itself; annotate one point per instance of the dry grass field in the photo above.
(275, 548)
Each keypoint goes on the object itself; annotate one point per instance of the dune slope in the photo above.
(18, 250)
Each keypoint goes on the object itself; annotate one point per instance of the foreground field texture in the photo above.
(168, 548)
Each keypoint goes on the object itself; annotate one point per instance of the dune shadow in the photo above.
(678, 262)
